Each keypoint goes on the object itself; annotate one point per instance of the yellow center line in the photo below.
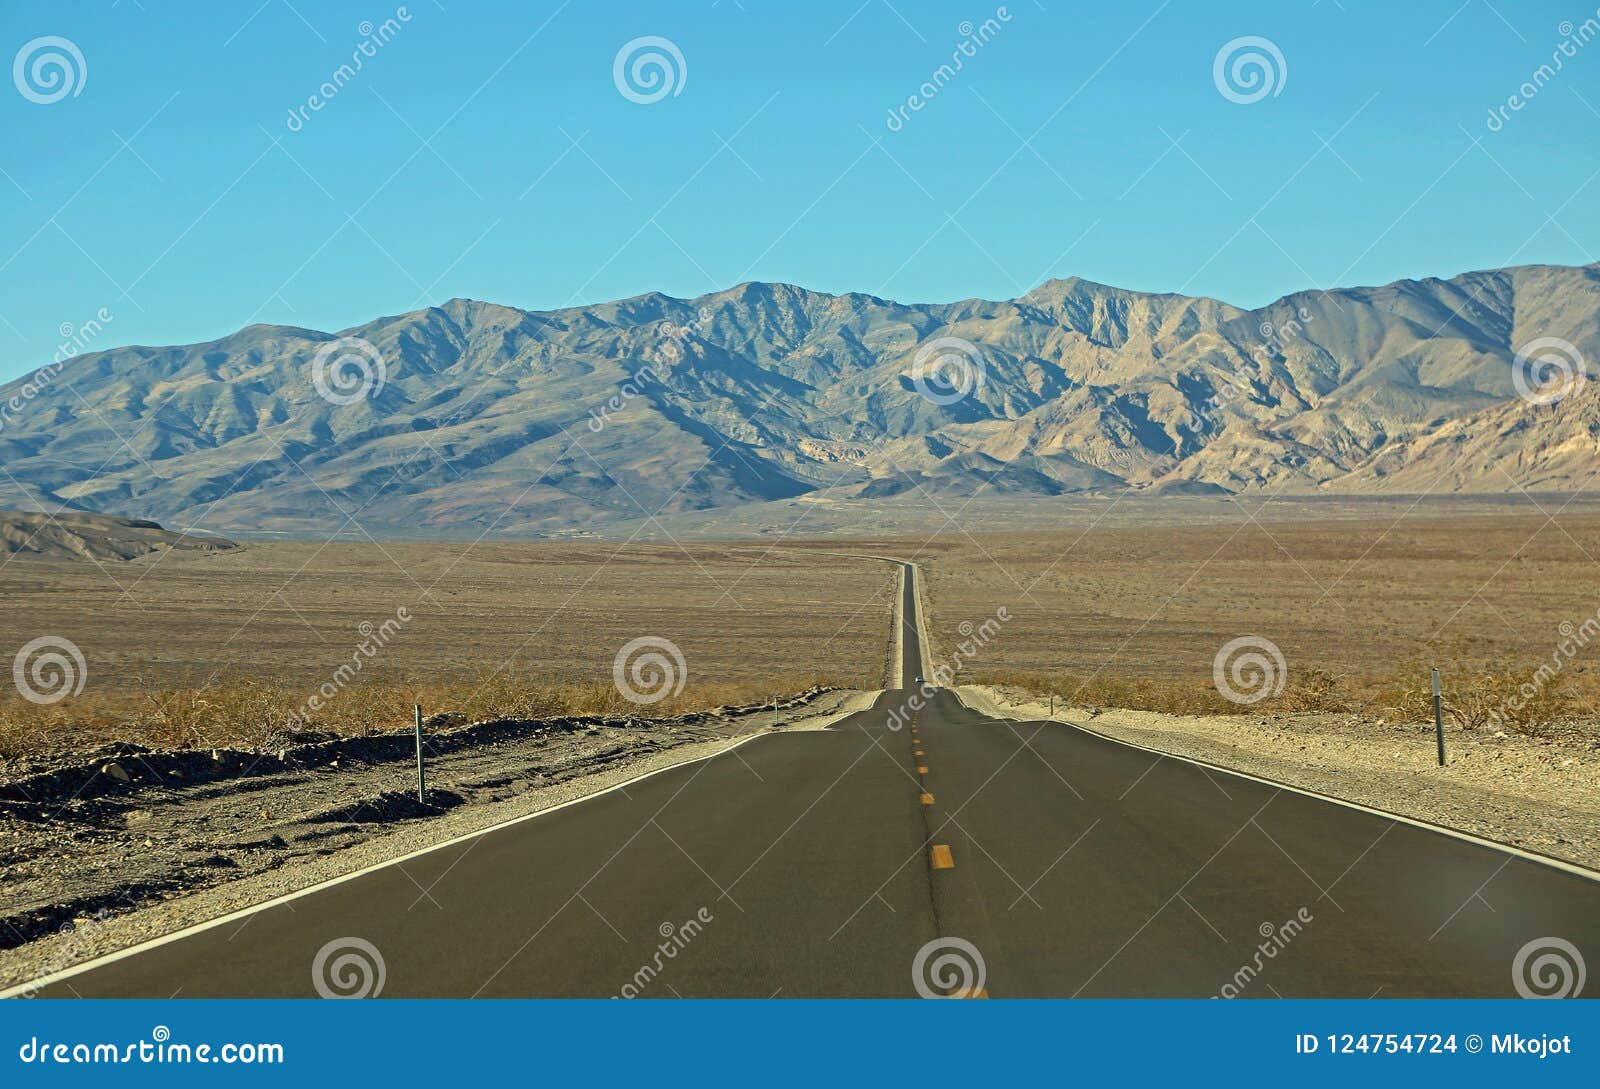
(922, 769)
(941, 857)
(927, 799)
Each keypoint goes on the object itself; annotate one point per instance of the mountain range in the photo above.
(472, 417)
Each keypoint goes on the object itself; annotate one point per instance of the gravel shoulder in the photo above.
(104, 850)
(1536, 794)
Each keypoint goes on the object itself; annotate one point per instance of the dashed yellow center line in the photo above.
(927, 799)
(942, 859)
(922, 769)
(919, 752)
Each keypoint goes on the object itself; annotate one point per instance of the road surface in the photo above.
(823, 863)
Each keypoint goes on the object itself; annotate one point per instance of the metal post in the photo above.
(422, 793)
(1438, 717)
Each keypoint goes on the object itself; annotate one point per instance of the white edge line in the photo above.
(896, 676)
(924, 648)
(189, 931)
(1416, 822)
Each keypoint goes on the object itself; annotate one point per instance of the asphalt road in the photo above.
(822, 863)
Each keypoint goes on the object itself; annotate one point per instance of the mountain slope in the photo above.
(94, 536)
(490, 419)
(1522, 446)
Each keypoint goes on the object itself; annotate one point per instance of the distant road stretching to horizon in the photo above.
(965, 853)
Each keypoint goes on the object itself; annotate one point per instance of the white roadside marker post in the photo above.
(422, 794)
(1438, 717)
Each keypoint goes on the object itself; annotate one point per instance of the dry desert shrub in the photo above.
(1522, 700)
(254, 714)
(1313, 690)
(1525, 700)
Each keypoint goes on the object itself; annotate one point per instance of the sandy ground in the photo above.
(553, 613)
(93, 863)
(1121, 602)
(1541, 796)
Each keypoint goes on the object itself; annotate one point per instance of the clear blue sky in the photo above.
(201, 225)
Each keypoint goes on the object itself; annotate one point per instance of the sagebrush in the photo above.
(249, 713)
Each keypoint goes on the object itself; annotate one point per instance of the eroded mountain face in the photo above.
(489, 418)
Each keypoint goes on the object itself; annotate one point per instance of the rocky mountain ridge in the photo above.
(471, 417)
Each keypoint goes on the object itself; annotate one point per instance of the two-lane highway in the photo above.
(821, 863)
